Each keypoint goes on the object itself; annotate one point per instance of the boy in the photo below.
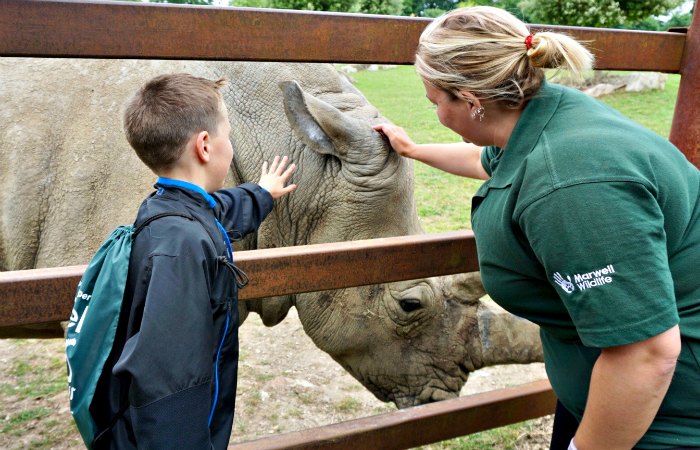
(172, 382)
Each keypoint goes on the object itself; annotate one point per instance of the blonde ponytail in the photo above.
(483, 50)
(556, 50)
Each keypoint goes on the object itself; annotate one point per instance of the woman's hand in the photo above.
(459, 158)
(274, 179)
(399, 140)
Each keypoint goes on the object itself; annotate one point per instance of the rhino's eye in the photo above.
(409, 304)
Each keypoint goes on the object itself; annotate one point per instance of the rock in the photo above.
(348, 69)
(646, 81)
(602, 89)
(304, 383)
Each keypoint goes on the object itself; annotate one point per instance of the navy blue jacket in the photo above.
(175, 358)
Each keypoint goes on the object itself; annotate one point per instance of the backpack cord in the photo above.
(113, 422)
(241, 278)
(158, 216)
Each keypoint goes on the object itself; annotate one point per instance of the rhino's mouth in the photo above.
(421, 391)
(427, 395)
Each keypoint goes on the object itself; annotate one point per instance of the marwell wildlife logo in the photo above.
(586, 280)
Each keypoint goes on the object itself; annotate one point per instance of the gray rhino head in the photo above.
(409, 342)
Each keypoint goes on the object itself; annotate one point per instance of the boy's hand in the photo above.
(274, 180)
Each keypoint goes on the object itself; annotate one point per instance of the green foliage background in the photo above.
(636, 14)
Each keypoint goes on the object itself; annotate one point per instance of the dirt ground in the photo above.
(285, 384)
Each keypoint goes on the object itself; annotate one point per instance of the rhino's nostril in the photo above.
(465, 370)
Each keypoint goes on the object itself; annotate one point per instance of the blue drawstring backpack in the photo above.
(93, 323)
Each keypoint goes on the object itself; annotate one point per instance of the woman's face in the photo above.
(453, 112)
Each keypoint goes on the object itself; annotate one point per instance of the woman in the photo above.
(587, 224)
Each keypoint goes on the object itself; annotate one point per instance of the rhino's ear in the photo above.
(466, 287)
(319, 125)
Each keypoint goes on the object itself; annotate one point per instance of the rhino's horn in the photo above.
(506, 338)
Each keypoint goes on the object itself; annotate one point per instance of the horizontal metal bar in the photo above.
(628, 49)
(45, 296)
(309, 268)
(421, 425)
(159, 31)
(34, 302)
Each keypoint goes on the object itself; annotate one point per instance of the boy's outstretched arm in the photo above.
(275, 179)
(244, 207)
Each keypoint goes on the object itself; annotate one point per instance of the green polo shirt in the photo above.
(589, 226)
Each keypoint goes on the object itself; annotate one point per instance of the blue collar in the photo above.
(169, 182)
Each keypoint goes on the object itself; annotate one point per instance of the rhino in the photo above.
(69, 177)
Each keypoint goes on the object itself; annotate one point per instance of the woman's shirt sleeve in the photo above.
(489, 158)
(603, 247)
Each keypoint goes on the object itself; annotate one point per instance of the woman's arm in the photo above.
(627, 387)
(458, 159)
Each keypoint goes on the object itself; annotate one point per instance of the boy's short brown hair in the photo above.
(162, 116)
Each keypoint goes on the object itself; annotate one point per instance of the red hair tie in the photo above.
(528, 42)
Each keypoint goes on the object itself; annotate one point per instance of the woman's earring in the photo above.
(480, 112)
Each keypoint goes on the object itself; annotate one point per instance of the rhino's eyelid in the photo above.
(400, 293)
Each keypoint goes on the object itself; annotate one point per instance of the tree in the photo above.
(315, 5)
(185, 2)
(252, 3)
(390, 7)
(635, 10)
(648, 24)
(512, 6)
(419, 7)
(595, 13)
(366, 6)
(679, 20)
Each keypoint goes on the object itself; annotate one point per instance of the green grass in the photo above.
(30, 382)
(653, 109)
(500, 438)
(32, 411)
(347, 405)
(16, 423)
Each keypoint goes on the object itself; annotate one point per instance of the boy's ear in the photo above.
(201, 146)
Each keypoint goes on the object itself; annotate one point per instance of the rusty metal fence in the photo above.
(56, 29)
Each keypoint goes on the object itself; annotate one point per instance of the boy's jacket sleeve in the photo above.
(170, 357)
(244, 207)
